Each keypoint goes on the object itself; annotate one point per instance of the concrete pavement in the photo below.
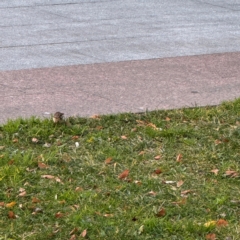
(85, 57)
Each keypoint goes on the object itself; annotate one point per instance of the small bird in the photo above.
(57, 117)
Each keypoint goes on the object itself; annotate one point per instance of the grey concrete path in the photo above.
(86, 57)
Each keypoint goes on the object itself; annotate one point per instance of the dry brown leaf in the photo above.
(108, 160)
(211, 236)
(11, 204)
(11, 215)
(84, 233)
(95, 116)
(78, 189)
(99, 127)
(167, 119)
(48, 176)
(73, 237)
(42, 165)
(141, 153)
(108, 215)
(231, 173)
(161, 213)
(35, 200)
(124, 137)
(75, 230)
(179, 157)
(152, 193)
(124, 174)
(157, 157)
(22, 194)
(181, 202)
(15, 140)
(75, 137)
(11, 162)
(186, 192)
(158, 171)
(138, 182)
(222, 223)
(2, 204)
(215, 171)
(34, 140)
(59, 215)
(180, 183)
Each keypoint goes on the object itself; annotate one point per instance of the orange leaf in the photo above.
(11, 204)
(11, 162)
(124, 174)
(108, 160)
(84, 233)
(211, 236)
(167, 119)
(215, 171)
(42, 165)
(179, 157)
(157, 157)
(180, 183)
(158, 171)
(161, 213)
(222, 223)
(11, 215)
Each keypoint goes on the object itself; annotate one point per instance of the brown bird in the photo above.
(57, 117)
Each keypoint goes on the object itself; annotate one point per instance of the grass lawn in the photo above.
(157, 175)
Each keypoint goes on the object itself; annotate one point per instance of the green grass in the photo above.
(86, 193)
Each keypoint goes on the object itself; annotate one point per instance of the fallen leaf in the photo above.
(181, 202)
(179, 157)
(157, 157)
(124, 137)
(108, 160)
(95, 116)
(48, 176)
(231, 173)
(11, 204)
(152, 193)
(167, 119)
(211, 236)
(210, 223)
(180, 183)
(34, 140)
(2, 204)
(15, 140)
(138, 182)
(215, 171)
(99, 127)
(42, 165)
(22, 194)
(2, 147)
(35, 200)
(84, 233)
(73, 237)
(124, 174)
(11, 215)
(58, 180)
(161, 213)
(11, 162)
(186, 192)
(158, 171)
(108, 215)
(75, 137)
(141, 153)
(59, 215)
(78, 189)
(222, 223)
(47, 145)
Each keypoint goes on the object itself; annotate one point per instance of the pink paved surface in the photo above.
(129, 86)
